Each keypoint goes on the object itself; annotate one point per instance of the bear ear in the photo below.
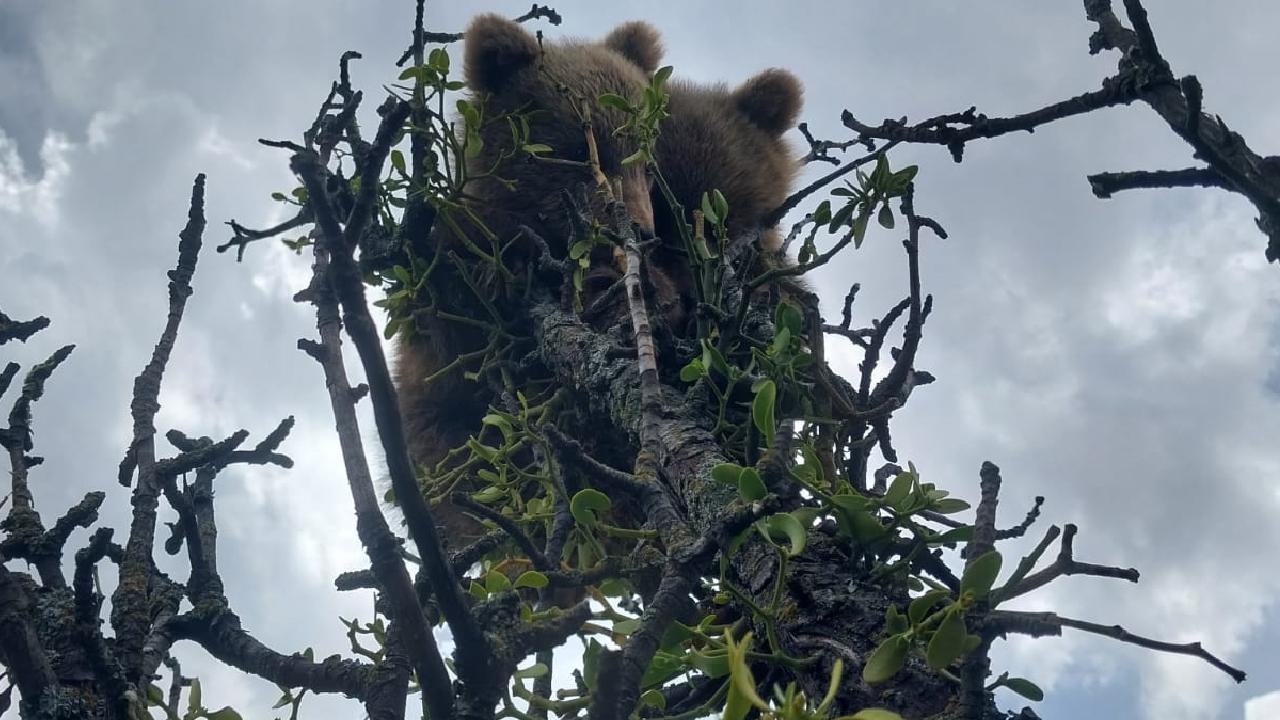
(638, 42)
(770, 100)
(496, 49)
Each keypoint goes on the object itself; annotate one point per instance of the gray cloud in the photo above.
(1118, 357)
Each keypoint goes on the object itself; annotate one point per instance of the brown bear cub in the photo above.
(730, 141)
(550, 85)
(714, 139)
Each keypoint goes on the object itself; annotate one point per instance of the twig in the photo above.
(774, 217)
(509, 526)
(371, 525)
(20, 329)
(348, 287)
(1065, 564)
(1021, 528)
(1042, 624)
(1105, 184)
(820, 150)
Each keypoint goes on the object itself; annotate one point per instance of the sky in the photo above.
(1119, 357)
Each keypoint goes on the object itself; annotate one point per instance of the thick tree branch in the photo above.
(130, 612)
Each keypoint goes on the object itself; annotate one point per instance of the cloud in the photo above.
(1119, 357)
(1263, 707)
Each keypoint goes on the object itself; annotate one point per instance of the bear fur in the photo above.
(732, 141)
(507, 70)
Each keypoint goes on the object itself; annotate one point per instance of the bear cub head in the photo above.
(555, 87)
(731, 141)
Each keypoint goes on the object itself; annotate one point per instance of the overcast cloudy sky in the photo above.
(1119, 357)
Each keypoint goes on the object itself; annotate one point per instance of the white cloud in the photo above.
(38, 197)
(1263, 707)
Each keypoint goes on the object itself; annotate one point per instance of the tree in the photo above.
(789, 581)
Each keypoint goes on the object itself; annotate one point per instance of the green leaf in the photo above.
(895, 622)
(901, 179)
(662, 668)
(225, 713)
(591, 662)
(617, 102)
(811, 470)
(736, 705)
(500, 422)
(693, 370)
(981, 574)
(786, 524)
(947, 643)
(921, 606)
(470, 115)
(898, 489)
(626, 627)
(708, 211)
(193, 700)
(1025, 688)
(742, 685)
(714, 664)
(439, 59)
(532, 579)
(397, 161)
(860, 229)
(712, 358)
(750, 485)
(477, 591)
(864, 526)
(486, 452)
(660, 77)
(822, 214)
(635, 157)
(833, 688)
(849, 503)
(885, 217)
(874, 714)
(654, 697)
(535, 148)
(960, 534)
(726, 473)
(495, 581)
(155, 696)
(587, 505)
(881, 173)
(489, 495)
(720, 204)
(946, 506)
(762, 409)
(887, 659)
(533, 671)
(841, 218)
(788, 317)
(781, 341)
